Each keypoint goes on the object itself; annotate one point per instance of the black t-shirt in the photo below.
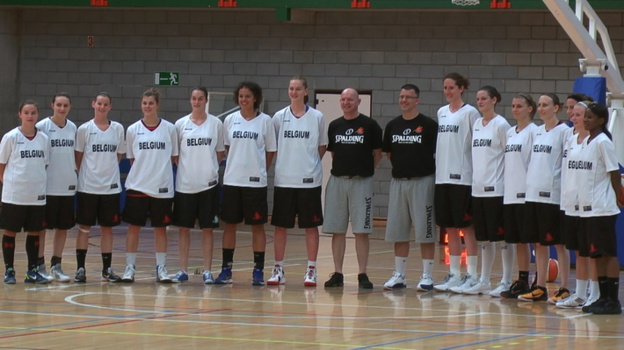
(412, 144)
(352, 143)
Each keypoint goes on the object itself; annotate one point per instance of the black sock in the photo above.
(41, 260)
(228, 257)
(8, 250)
(259, 260)
(523, 276)
(55, 260)
(32, 251)
(106, 261)
(613, 284)
(81, 256)
(603, 284)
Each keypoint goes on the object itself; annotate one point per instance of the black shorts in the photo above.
(202, 206)
(514, 223)
(570, 232)
(138, 205)
(60, 212)
(453, 205)
(29, 217)
(303, 203)
(487, 218)
(244, 203)
(598, 237)
(543, 223)
(102, 209)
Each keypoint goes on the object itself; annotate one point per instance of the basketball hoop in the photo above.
(465, 2)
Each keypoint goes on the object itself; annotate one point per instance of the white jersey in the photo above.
(488, 157)
(99, 169)
(298, 162)
(24, 181)
(248, 143)
(454, 145)
(595, 193)
(518, 151)
(544, 173)
(569, 177)
(152, 171)
(62, 177)
(198, 167)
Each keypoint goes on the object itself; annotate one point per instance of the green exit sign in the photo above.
(167, 78)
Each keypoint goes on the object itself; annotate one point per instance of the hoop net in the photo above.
(465, 2)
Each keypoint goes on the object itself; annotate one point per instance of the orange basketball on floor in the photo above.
(553, 270)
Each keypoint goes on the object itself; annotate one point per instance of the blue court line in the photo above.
(417, 338)
(489, 341)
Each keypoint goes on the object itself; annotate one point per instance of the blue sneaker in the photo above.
(180, 276)
(9, 276)
(32, 276)
(208, 279)
(257, 277)
(225, 277)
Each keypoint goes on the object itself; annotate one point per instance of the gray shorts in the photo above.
(411, 202)
(348, 197)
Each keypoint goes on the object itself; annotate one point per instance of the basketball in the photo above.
(553, 270)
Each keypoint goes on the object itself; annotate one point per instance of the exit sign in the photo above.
(167, 78)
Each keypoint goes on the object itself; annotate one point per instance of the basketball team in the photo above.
(471, 173)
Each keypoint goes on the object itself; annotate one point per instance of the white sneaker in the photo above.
(467, 282)
(57, 272)
(449, 282)
(161, 274)
(479, 288)
(128, 275)
(277, 277)
(573, 301)
(591, 299)
(207, 277)
(397, 281)
(42, 271)
(310, 277)
(425, 284)
(502, 286)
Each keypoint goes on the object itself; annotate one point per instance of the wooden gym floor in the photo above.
(147, 315)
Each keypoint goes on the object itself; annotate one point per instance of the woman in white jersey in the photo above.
(600, 197)
(197, 194)
(517, 155)
(99, 147)
(489, 137)
(302, 140)
(454, 179)
(543, 197)
(249, 138)
(61, 184)
(152, 149)
(585, 267)
(24, 154)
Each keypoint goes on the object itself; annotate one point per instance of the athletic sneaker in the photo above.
(128, 275)
(57, 272)
(450, 281)
(9, 276)
(363, 281)
(591, 299)
(42, 271)
(207, 277)
(573, 301)
(502, 286)
(589, 308)
(277, 277)
(536, 294)
(225, 277)
(161, 274)
(257, 277)
(561, 294)
(336, 279)
(81, 275)
(425, 284)
(397, 281)
(609, 307)
(309, 279)
(33, 276)
(110, 276)
(181, 276)
(468, 282)
(478, 289)
(517, 288)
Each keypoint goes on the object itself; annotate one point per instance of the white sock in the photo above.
(581, 288)
(311, 263)
(131, 259)
(399, 264)
(427, 267)
(508, 253)
(594, 289)
(455, 261)
(473, 261)
(161, 259)
(488, 253)
(279, 263)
